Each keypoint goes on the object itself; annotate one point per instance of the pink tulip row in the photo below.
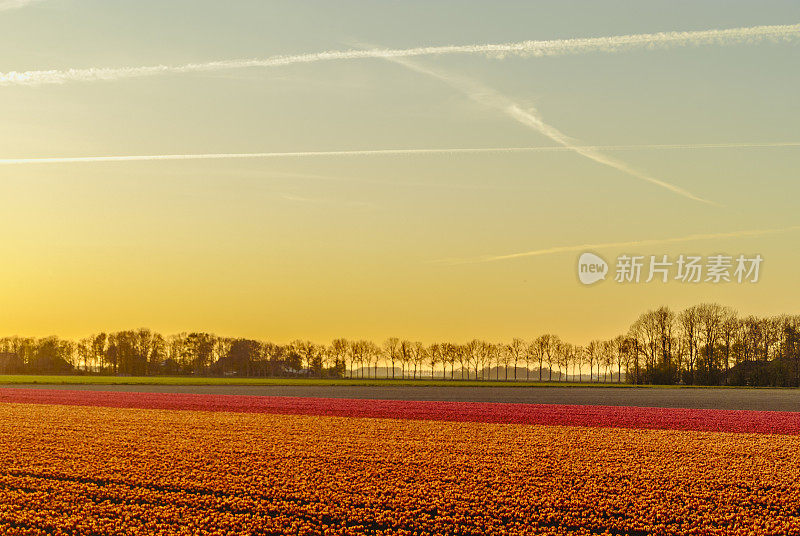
(714, 420)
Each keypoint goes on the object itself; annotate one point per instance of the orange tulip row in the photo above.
(69, 470)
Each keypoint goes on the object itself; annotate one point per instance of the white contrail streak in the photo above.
(604, 245)
(389, 152)
(530, 118)
(556, 47)
(15, 4)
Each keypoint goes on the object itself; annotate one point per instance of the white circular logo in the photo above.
(591, 268)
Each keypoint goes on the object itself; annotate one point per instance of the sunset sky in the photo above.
(373, 245)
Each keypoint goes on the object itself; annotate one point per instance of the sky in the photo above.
(371, 227)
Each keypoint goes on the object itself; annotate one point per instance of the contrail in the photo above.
(556, 47)
(15, 4)
(391, 152)
(530, 118)
(631, 243)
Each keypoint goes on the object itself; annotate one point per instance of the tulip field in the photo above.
(99, 463)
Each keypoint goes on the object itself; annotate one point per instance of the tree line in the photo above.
(707, 344)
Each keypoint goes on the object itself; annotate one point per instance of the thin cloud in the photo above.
(530, 117)
(556, 47)
(6, 5)
(392, 152)
(327, 201)
(604, 245)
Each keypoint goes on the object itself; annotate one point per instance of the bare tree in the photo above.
(307, 351)
(353, 355)
(730, 329)
(405, 355)
(711, 320)
(653, 332)
(531, 355)
(434, 354)
(565, 352)
(463, 356)
(579, 360)
(770, 333)
(689, 321)
(418, 357)
(545, 346)
(98, 348)
(372, 356)
(515, 351)
(621, 350)
(84, 350)
(593, 355)
(501, 358)
(338, 352)
(475, 355)
(390, 347)
(449, 353)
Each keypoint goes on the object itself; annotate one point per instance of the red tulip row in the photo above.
(772, 422)
(88, 471)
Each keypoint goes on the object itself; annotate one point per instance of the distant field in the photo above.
(14, 379)
(762, 399)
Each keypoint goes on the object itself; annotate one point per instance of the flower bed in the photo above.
(99, 471)
(773, 422)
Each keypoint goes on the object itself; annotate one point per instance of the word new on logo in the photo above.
(591, 268)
